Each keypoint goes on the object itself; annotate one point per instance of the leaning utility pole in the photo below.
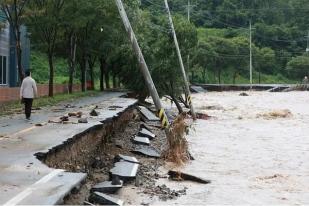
(250, 55)
(188, 57)
(143, 66)
(180, 61)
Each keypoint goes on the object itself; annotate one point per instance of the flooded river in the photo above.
(250, 159)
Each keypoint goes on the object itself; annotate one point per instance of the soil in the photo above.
(121, 143)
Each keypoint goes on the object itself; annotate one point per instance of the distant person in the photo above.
(28, 91)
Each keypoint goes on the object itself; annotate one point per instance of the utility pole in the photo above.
(188, 57)
(142, 64)
(188, 10)
(307, 49)
(180, 61)
(250, 55)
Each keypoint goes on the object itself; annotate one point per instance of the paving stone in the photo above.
(147, 151)
(126, 158)
(141, 140)
(125, 170)
(107, 187)
(148, 114)
(146, 133)
(103, 199)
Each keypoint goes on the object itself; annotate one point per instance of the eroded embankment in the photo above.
(78, 154)
(93, 152)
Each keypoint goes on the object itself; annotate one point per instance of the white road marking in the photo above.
(18, 198)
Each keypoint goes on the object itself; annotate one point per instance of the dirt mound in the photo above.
(275, 114)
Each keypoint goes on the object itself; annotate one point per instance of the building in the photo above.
(8, 58)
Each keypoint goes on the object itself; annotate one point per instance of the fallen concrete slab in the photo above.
(103, 199)
(197, 89)
(141, 140)
(146, 133)
(180, 176)
(120, 157)
(147, 151)
(148, 114)
(107, 187)
(125, 170)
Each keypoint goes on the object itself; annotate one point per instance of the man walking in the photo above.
(28, 91)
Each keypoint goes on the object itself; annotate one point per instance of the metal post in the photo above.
(250, 55)
(143, 66)
(180, 60)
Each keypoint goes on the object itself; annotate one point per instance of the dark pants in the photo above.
(28, 107)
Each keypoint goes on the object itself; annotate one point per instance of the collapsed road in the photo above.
(24, 179)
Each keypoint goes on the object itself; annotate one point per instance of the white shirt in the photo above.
(28, 88)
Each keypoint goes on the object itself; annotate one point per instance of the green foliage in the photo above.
(299, 66)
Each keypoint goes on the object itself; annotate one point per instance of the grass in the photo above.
(15, 106)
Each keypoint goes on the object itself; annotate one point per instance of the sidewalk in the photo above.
(26, 180)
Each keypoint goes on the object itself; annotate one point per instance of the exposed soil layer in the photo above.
(93, 152)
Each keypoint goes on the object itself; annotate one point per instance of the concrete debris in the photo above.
(179, 176)
(148, 114)
(83, 120)
(40, 124)
(103, 199)
(88, 203)
(114, 107)
(146, 133)
(244, 94)
(197, 89)
(144, 126)
(75, 114)
(64, 118)
(120, 157)
(141, 140)
(107, 187)
(147, 151)
(125, 170)
(94, 113)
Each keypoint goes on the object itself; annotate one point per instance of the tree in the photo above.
(15, 12)
(299, 66)
(46, 17)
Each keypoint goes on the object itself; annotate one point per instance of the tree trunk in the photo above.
(114, 81)
(204, 75)
(72, 57)
(102, 66)
(180, 110)
(106, 74)
(259, 76)
(21, 71)
(91, 66)
(219, 75)
(83, 73)
(51, 75)
(234, 77)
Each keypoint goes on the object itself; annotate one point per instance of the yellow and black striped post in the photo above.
(163, 118)
(189, 100)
